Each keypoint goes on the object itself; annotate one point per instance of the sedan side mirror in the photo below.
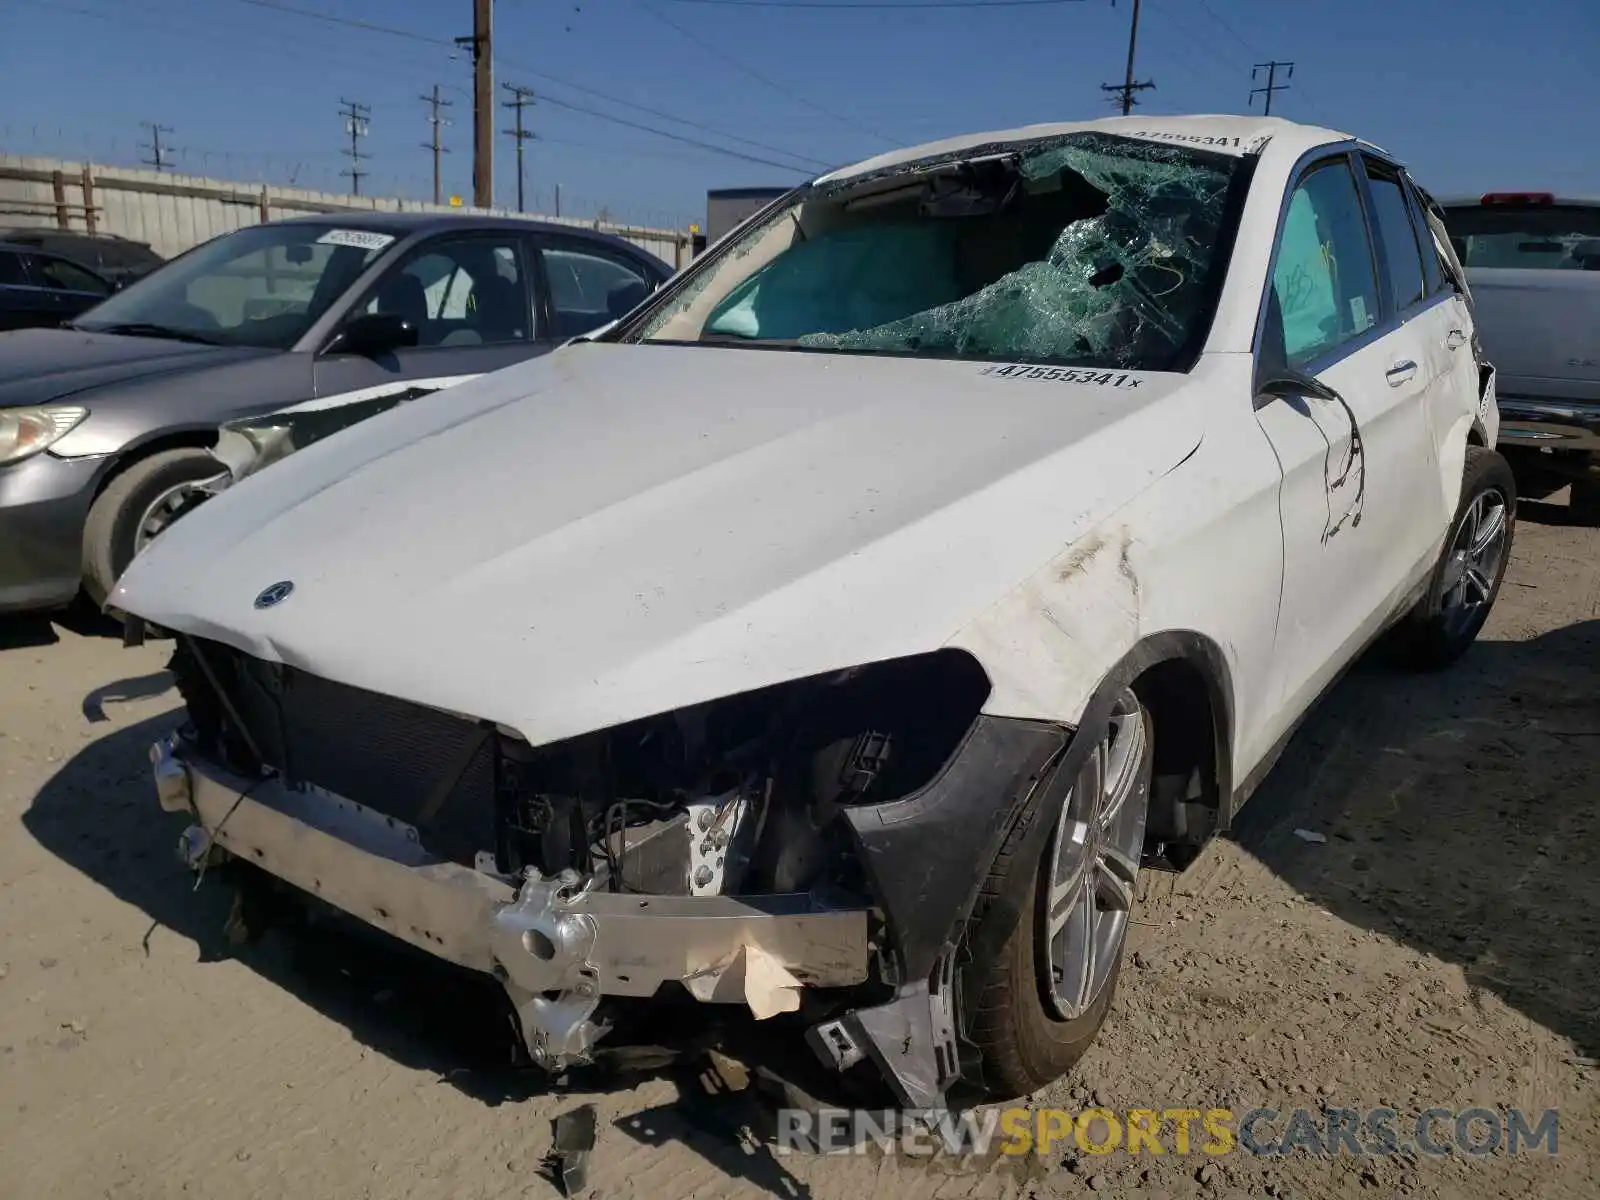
(373, 334)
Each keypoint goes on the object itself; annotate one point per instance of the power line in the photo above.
(348, 22)
(355, 124)
(521, 98)
(1231, 31)
(1272, 86)
(374, 27)
(157, 157)
(744, 69)
(1129, 87)
(435, 103)
(677, 137)
(243, 41)
(665, 116)
(811, 163)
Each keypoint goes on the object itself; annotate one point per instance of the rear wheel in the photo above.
(1037, 1004)
(1465, 583)
(136, 506)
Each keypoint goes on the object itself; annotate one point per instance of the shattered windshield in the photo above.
(1087, 249)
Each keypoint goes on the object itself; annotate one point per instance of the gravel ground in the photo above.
(1438, 948)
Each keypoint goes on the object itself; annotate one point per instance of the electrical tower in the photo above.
(355, 124)
(521, 97)
(481, 44)
(1125, 91)
(1271, 68)
(158, 153)
(435, 103)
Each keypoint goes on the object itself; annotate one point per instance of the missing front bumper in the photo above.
(559, 949)
(556, 947)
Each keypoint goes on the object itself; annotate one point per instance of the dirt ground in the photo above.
(1439, 948)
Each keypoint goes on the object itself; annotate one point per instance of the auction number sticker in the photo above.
(359, 239)
(1120, 379)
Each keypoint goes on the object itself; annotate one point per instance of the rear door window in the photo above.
(1538, 237)
(591, 286)
(1324, 281)
(61, 275)
(460, 291)
(1392, 216)
(12, 273)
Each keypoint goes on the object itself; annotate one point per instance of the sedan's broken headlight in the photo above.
(26, 431)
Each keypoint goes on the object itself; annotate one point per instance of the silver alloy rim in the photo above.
(159, 514)
(1094, 857)
(1476, 556)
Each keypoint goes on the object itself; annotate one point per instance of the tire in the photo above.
(111, 535)
(1443, 624)
(1583, 507)
(1024, 1038)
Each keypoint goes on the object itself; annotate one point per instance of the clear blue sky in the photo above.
(1475, 94)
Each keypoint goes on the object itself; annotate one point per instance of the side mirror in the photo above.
(372, 334)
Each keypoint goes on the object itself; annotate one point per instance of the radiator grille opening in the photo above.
(390, 755)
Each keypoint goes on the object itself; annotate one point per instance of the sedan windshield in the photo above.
(1085, 249)
(263, 286)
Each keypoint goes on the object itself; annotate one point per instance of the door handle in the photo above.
(1455, 339)
(1400, 372)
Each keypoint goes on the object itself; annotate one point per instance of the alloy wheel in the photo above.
(1094, 856)
(1477, 554)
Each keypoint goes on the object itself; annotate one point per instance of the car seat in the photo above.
(403, 295)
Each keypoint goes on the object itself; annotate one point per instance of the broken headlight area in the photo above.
(811, 849)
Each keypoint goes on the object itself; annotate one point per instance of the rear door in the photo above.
(589, 283)
(24, 304)
(472, 300)
(1534, 268)
(72, 289)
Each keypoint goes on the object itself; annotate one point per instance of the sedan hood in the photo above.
(38, 366)
(615, 531)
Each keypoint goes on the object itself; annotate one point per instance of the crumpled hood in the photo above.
(614, 531)
(41, 365)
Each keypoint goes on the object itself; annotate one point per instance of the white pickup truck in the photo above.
(1533, 263)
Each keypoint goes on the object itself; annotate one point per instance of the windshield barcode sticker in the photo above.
(1119, 379)
(360, 239)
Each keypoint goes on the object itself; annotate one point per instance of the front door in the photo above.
(470, 298)
(1360, 478)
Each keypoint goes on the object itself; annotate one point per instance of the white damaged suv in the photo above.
(838, 635)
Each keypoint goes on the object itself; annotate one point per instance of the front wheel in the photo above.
(1467, 579)
(1038, 1002)
(136, 506)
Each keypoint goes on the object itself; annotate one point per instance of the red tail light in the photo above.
(1518, 198)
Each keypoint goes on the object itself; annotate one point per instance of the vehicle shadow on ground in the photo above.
(41, 629)
(1460, 814)
(98, 813)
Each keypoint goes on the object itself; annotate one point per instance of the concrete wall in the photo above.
(174, 212)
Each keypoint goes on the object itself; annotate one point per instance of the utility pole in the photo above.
(521, 97)
(436, 121)
(1128, 86)
(158, 153)
(481, 43)
(1271, 68)
(355, 124)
